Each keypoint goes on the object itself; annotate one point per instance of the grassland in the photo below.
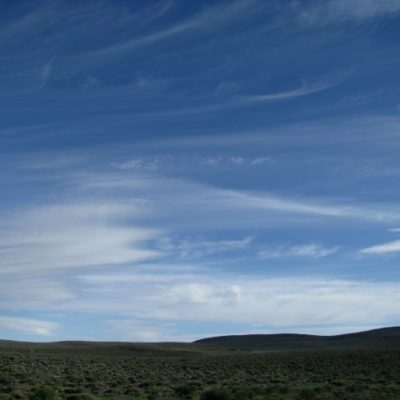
(213, 369)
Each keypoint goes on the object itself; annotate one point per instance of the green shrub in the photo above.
(244, 393)
(80, 396)
(217, 394)
(306, 394)
(45, 393)
(185, 391)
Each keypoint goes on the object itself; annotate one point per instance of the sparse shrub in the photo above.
(306, 394)
(45, 393)
(5, 380)
(153, 394)
(283, 389)
(244, 393)
(217, 394)
(80, 396)
(18, 396)
(185, 391)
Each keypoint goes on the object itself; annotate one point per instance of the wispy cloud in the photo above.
(155, 163)
(70, 236)
(308, 250)
(304, 90)
(47, 70)
(262, 161)
(381, 132)
(212, 104)
(275, 302)
(151, 304)
(216, 205)
(27, 326)
(140, 164)
(310, 207)
(385, 248)
(196, 248)
(139, 330)
(33, 291)
(334, 11)
(236, 161)
(207, 19)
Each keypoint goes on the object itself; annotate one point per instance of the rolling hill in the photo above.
(383, 338)
(377, 339)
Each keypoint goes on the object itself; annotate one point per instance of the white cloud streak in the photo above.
(385, 248)
(196, 248)
(184, 199)
(274, 302)
(310, 207)
(205, 20)
(336, 11)
(27, 326)
(157, 163)
(33, 292)
(308, 250)
(71, 236)
(304, 90)
(214, 104)
(142, 331)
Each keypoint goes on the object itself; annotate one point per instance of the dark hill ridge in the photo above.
(93, 348)
(383, 338)
(377, 339)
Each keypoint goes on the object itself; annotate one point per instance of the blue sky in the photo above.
(177, 169)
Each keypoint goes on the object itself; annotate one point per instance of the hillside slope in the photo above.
(384, 338)
(377, 339)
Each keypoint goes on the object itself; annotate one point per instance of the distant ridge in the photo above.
(375, 339)
(383, 338)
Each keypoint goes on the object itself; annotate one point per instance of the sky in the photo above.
(174, 169)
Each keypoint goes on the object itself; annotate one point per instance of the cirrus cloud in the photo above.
(385, 248)
(27, 326)
(310, 250)
(70, 236)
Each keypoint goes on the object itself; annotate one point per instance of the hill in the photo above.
(377, 339)
(384, 338)
(92, 348)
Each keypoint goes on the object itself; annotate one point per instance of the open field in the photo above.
(78, 370)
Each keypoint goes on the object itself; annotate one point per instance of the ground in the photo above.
(192, 372)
